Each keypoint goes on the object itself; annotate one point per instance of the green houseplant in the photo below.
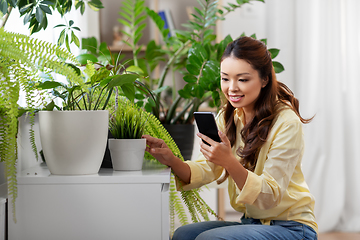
(192, 52)
(68, 136)
(36, 14)
(127, 125)
(21, 57)
(23, 60)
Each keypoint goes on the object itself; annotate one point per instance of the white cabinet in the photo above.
(108, 205)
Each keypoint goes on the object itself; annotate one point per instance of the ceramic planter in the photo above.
(73, 142)
(127, 154)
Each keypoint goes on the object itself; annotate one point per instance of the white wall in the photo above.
(266, 20)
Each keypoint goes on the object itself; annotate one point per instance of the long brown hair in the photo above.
(267, 106)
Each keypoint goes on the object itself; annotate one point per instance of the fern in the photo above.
(21, 58)
(196, 205)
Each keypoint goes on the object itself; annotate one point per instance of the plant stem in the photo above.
(6, 17)
(165, 71)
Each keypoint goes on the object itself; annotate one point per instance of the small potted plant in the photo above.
(127, 125)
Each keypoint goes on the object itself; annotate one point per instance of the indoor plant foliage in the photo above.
(192, 52)
(127, 121)
(21, 58)
(36, 12)
(127, 125)
(75, 150)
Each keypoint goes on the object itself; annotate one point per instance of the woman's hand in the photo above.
(159, 150)
(218, 153)
(221, 154)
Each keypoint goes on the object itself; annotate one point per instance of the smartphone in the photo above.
(206, 124)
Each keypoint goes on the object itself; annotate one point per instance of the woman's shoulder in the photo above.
(286, 115)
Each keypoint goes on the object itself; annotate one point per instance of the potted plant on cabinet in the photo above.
(127, 125)
(21, 58)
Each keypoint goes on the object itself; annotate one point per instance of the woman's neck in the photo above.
(248, 115)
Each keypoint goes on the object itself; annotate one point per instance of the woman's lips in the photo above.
(235, 98)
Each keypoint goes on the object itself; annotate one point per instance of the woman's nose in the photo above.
(233, 86)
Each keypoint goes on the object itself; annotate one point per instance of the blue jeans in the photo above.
(247, 229)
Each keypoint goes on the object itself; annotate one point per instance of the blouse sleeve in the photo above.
(266, 191)
(202, 172)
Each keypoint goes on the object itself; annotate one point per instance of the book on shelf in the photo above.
(169, 23)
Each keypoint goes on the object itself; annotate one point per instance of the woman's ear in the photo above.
(265, 82)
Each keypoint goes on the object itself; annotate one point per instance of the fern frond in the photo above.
(21, 59)
(156, 129)
(195, 204)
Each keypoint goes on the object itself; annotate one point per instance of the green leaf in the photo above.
(50, 106)
(75, 39)
(60, 25)
(129, 91)
(199, 51)
(22, 9)
(46, 9)
(135, 69)
(39, 14)
(61, 38)
(95, 5)
(3, 7)
(278, 67)
(67, 44)
(89, 44)
(190, 78)
(264, 40)
(192, 69)
(119, 80)
(274, 52)
(83, 58)
(48, 85)
(197, 91)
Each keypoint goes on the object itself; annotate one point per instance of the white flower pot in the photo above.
(73, 142)
(127, 154)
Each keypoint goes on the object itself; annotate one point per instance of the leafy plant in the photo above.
(21, 57)
(36, 12)
(92, 92)
(192, 52)
(127, 121)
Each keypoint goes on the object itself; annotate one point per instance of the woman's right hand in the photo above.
(159, 150)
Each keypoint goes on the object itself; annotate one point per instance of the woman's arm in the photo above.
(158, 149)
(221, 154)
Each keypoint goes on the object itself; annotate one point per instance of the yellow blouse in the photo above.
(276, 190)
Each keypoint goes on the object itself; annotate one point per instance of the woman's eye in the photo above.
(243, 80)
(224, 79)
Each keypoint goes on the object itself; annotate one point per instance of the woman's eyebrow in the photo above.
(239, 74)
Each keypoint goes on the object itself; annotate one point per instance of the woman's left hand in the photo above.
(219, 153)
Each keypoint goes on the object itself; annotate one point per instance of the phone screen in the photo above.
(206, 124)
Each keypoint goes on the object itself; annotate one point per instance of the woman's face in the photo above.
(240, 83)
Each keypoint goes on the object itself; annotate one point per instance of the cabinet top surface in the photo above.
(41, 175)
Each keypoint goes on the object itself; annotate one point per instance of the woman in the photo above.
(260, 154)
